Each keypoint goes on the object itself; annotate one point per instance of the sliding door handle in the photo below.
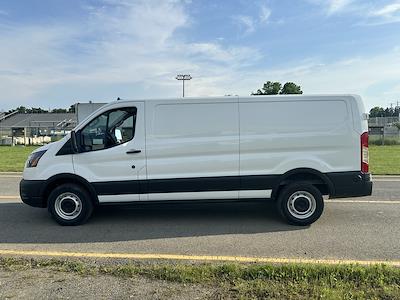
(133, 151)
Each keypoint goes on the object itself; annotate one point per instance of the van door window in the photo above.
(110, 129)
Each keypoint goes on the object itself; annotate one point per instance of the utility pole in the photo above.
(183, 78)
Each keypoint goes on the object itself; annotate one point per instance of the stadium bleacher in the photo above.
(34, 128)
(45, 120)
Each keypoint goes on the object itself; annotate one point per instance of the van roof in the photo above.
(245, 98)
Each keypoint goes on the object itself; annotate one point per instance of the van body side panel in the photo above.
(192, 139)
(280, 135)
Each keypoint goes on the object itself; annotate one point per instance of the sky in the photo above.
(54, 53)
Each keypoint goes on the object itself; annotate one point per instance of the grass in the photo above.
(12, 159)
(388, 141)
(246, 281)
(384, 160)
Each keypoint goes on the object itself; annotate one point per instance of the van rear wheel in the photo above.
(300, 203)
(70, 204)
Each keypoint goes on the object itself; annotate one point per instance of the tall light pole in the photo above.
(183, 78)
(398, 107)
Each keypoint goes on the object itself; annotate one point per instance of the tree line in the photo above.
(38, 110)
(384, 112)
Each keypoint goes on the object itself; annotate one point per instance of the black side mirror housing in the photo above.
(74, 142)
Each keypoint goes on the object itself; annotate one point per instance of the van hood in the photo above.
(44, 147)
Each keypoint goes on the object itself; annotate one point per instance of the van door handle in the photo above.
(133, 151)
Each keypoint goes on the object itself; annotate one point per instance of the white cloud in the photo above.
(245, 22)
(331, 7)
(364, 13)
(388, 11)
(265, 13)
(217, 53)
(249, 24)
(368, 12)
(337, 5)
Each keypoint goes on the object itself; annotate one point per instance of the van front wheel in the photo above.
(300, 203)
(70, 204)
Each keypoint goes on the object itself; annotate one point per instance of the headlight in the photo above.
(34, 158)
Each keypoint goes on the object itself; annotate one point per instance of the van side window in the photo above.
(110, 129)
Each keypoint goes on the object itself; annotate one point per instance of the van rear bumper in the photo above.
(31, 192)
(350, 184)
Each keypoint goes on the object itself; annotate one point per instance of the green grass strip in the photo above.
(276, 281)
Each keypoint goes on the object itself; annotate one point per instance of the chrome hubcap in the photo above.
(68, 206)
(301, 205)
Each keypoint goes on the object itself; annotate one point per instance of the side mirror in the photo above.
(74, 142)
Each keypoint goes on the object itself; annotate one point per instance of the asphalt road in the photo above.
(350, 229)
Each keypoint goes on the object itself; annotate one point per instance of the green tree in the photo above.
(377, 112)
(275, 88)
(59, 110)
(291, 88)
(269, 88)
(72, 109)
(21, 109)
(37, 110)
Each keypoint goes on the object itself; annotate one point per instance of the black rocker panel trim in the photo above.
(343, 184)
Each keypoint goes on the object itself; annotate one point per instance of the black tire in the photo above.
(70, 204)
(309, 206)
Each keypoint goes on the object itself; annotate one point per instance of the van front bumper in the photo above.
(350, 184)
(31, 192)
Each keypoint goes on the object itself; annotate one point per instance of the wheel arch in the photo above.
(59, 179)
(312, 176)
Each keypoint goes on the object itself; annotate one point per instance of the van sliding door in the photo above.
(193, 149)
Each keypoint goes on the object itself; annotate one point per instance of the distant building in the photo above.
(82, 110)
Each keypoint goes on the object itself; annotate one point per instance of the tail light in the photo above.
(364, 153)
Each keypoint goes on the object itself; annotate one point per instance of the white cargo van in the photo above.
(291, 149)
